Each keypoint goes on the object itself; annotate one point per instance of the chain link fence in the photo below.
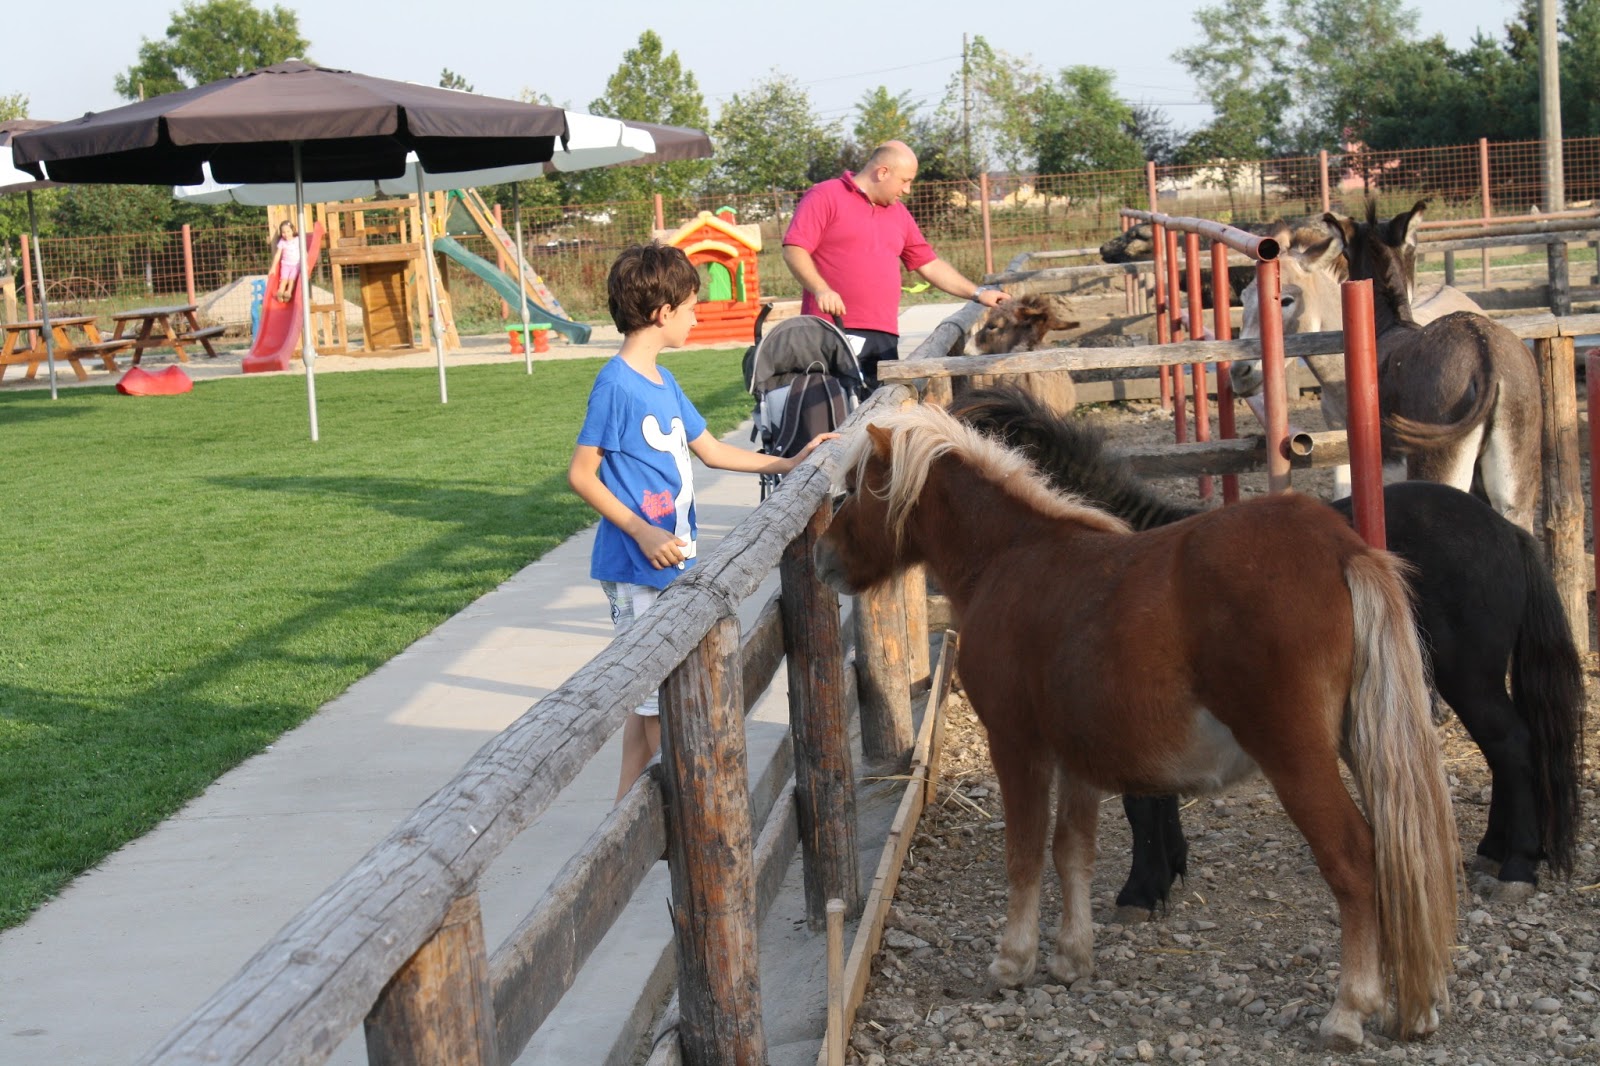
(572, 246)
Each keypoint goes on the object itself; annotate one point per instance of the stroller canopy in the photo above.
(796, 345)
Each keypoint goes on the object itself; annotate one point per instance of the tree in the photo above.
(1336, 77)
(650, 85)
(14, 106)
(881, 117)
(1078, 124)
(769, 138)
(209, 41)
(998, 88)
(1240, 67)
(449, 79)
(1151, 128)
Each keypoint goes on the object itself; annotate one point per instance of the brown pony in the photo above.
(1153, 663)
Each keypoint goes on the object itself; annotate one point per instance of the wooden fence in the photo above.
(397, 944)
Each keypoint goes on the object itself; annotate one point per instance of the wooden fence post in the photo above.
(883, 674)
(824, 780)
(188, 262)
(916, 592)
(439, 1007)
(704, 778)
(1560, 286)
(1563, 489)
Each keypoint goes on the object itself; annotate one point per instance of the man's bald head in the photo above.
(888, 173)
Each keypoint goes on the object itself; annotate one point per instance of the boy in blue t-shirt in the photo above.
(631, 463)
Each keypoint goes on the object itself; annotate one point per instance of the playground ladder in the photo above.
(532, 283)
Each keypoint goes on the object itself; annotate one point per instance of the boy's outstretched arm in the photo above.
(722, 456)
(583, 474)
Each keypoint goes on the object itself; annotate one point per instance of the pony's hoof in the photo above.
(1133, 914)
(1340, 1031)
(1498, 891)
(1009, 973)
(1066, 970)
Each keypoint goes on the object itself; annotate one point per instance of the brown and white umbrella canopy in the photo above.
(347, 126)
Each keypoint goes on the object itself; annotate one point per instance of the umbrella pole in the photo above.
(308, 354)
(433, 282)
(522, 285)
(44, 301)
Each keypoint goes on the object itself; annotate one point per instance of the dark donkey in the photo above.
(1484, 599)
(1460, 395)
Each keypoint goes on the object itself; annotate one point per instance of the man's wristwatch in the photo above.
(980, 290)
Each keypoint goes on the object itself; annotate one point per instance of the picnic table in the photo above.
(153, 327)
(24, 345)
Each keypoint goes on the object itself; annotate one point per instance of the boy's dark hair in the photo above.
(644, 277)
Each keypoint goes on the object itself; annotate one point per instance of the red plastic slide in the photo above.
(279, 332)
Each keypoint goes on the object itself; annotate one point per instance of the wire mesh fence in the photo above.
(572, 245)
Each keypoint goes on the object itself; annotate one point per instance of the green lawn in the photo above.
(187, 577)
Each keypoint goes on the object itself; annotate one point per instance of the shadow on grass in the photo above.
(35, 406)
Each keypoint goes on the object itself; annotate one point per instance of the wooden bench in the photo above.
(202, 337)
(103, 351)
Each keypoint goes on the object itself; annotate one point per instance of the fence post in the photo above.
(1322, 179)
(1361, 400)
(916, 590)
(988, 239)
(703, 776)
(1180, 403)
(1483, 191)
(27, 277)
(1222, 326)
(1563, 487)
(188, 262)
(661, 218)
(1560, 286)
(824, 780)
(1158, 250)
(883, 673)
(1197, 332)
(1274, 384)
(439, 1007)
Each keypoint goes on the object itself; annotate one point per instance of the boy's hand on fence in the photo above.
(811, 446)
(660, 547)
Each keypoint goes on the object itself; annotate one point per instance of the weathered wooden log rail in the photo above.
(397, 943)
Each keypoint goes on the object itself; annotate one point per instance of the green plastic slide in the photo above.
(506, 286)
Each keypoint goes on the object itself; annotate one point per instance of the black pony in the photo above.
(1484, 600)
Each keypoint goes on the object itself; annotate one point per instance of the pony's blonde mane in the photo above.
(921, 433)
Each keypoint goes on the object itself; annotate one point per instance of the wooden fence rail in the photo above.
(321, 975)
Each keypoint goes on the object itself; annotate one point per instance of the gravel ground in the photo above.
(1243, 965)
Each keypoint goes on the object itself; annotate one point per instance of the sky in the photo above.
(836, 51)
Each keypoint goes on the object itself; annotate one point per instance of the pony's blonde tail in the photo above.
(1394, 756)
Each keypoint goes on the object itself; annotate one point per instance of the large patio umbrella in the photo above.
(294, 122)
(13, 180)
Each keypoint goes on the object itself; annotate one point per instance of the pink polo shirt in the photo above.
(858, 248)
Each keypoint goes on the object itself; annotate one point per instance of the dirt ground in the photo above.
(1242, 966)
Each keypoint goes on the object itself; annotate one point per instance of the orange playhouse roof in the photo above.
(749, 236)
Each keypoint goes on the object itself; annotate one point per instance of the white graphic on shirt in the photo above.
(675, 442)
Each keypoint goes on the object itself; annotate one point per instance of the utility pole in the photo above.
(966, 106)
(1555, 192)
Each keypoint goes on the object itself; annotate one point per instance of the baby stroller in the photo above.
(806, 381)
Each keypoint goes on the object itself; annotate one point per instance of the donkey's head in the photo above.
(1378, 251)
(1020, 325)
(1309, 272)
(1133, 245)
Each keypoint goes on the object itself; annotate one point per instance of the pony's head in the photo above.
(887, 465)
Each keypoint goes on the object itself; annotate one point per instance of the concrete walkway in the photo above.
(101, 973)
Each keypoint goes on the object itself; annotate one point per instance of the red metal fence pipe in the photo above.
(1180, 403)
(988, 238)
(1274, 384)
(1361, 394)
(1222, 328)
(1158, 247)
(1197, 332)
(27, 277)
(188, 262)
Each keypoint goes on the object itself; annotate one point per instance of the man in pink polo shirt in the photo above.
(850, 236)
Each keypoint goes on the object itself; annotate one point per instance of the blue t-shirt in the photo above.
(644, 430)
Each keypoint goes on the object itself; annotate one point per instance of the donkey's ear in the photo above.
(880, 439)
(1343, 229)
(1404, 227)
(1283, 233)
(1324, 253)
